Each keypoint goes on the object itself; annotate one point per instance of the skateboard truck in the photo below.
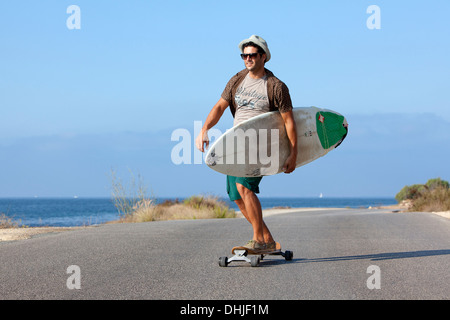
(242, 254)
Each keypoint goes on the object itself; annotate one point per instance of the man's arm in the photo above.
(212, 119)
(289, 123)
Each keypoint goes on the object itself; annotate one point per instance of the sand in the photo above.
(12, 234)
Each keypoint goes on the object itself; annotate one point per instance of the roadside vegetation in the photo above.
(134, 205)
(433, 196)
(7, 222)
(196, 207)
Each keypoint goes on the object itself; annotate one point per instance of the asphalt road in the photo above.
(407, 254)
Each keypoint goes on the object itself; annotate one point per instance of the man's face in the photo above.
(254, 63)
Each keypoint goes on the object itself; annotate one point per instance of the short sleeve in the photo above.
(227, 92)
(283, 98)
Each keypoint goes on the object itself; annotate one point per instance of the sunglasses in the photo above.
(251, 55)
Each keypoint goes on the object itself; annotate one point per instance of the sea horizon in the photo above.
(78, 211)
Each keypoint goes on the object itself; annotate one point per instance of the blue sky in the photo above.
(76, 103)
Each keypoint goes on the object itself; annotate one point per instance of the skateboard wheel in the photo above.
(288, 255)
(254, 261)
(223, 261)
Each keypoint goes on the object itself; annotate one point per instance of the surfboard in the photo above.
(259, 146)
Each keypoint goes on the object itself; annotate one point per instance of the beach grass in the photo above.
(134, 205)
(195, 207)
(7, 222)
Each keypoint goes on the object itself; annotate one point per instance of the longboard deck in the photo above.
(250, 251)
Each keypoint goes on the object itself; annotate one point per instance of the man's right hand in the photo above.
(201, 140)
(213, 117)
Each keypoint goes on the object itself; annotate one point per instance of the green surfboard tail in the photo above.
(330, 128)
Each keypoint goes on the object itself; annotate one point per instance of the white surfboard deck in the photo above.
(259, 146)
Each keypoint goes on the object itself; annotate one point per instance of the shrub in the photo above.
(410, 192)
(435, 200)
(432, 196)
(437, 183)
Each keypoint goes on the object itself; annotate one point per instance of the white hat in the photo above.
(259, 41)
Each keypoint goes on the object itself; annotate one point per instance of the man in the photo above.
(250, 92)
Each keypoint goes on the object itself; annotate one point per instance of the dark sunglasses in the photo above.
(251, 55)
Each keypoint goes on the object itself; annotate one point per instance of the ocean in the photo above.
(70, 212)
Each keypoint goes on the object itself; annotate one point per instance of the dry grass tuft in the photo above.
(436, 200)
(197, 207)
(133, 204)
(7, 222)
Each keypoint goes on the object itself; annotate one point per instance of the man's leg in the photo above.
(251, 209)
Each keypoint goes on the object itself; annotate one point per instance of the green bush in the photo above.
(437, 183)
(410, 192)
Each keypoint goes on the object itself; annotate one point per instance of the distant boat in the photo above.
(321, 195)
(75, 197)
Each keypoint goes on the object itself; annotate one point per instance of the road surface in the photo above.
(338, 254)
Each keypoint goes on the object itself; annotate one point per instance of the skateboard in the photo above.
(242, 253)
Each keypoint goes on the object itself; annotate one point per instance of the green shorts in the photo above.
(251, 183)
